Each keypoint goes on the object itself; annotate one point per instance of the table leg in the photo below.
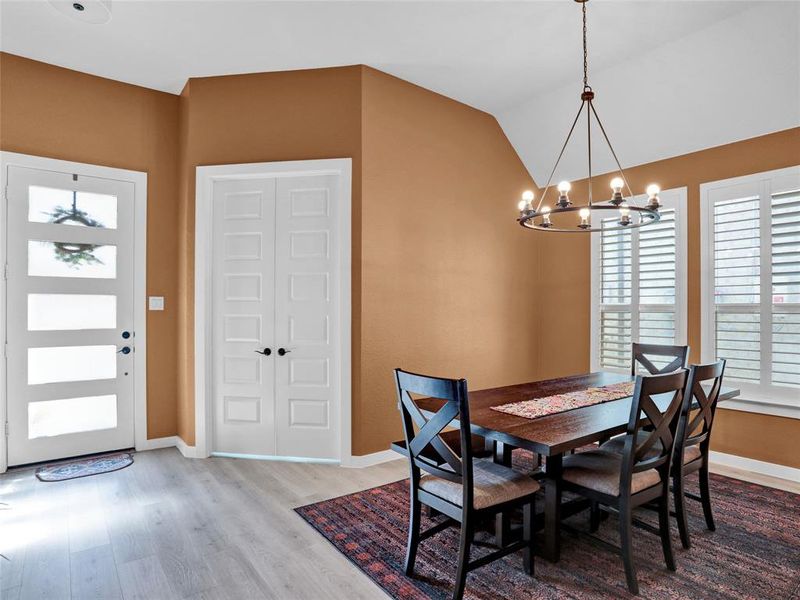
(552, 509)
(502, 522)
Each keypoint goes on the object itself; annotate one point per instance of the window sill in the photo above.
(775, 409)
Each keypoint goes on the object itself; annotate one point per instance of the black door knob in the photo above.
(126, 335)
(265, 351)
(282, 351)
(124, 350)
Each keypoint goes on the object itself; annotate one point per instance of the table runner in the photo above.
(540, 407)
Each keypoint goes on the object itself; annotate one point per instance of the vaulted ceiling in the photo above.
(671, 77)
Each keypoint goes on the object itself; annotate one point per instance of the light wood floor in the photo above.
(168, 527)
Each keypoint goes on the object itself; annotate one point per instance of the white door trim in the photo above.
(139, 181)
(205, 178)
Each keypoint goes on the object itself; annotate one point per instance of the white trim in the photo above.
(139, 181)
(756, 398)
(297, 459)
(186, 450)
(205, 178)
(751, 465)
(368, 460)
(674, 198)
(158, 443)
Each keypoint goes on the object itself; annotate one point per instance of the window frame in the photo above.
(675, 199)
(763, 398)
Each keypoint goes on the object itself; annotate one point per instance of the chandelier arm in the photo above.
(613, 153)
(560, 154)
(589, 143)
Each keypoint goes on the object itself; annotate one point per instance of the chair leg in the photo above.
(625, 526)
(413, 534)
(463, 557)
(663, 528)
(528, 516)
(594, 516)
(706, 497)
(680, 508)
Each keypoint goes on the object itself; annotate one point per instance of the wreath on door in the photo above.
(74, 253)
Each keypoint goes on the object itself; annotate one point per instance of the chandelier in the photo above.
(626, 211)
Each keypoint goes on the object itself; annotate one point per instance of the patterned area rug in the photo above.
(85, 467)
(754, 553)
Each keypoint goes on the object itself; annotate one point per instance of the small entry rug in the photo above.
(754, 553)
(85, 467)
(540, 407)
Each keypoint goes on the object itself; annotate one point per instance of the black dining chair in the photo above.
(464, 489)
(641, 353)
(692, 442)
(640, 474)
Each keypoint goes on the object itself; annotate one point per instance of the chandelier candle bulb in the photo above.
(652, 194)
(624, 214)
(528, 196)
(563, 194)
(584, 213)
(616, 188)
(546, 216)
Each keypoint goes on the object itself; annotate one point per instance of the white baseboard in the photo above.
(756, 467)
(172, 441)
(156, 443)
(367, 460)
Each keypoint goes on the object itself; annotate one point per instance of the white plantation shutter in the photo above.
(640, 284)
(752, 313)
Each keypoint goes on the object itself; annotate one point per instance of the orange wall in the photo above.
(293, 115)
(448, 279)
(58, 113)
(565, 266)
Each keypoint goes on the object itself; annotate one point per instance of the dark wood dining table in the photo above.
(553, 435)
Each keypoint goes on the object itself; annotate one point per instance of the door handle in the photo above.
(282, 351)
(265, 351)
(124, 350)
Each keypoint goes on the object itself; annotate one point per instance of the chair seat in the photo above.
(690, 453)
(599, 470)
(492, 484)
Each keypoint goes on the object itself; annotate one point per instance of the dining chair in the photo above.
(641, 352)
(466, 490)
(640, 474)
(692, 442)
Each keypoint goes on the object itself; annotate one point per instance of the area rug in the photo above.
(754, 553)
(540, 407)
(85, 467)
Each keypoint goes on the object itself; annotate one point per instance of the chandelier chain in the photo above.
(585, 50)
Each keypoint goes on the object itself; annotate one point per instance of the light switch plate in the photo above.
(156, 302)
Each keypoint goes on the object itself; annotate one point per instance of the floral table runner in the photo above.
(540, 407)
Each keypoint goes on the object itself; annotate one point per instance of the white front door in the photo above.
(70, 338)
(275, 316)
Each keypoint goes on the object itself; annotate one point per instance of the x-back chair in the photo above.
(463, 489)
(638, 475)
(640, 353)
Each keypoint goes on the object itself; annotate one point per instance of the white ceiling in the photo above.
(517, 60)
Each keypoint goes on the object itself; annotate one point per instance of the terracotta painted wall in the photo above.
(58, 113)
(448, 280)
(565, 267)
(293, 115)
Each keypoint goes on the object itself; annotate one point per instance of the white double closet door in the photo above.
(275, 331)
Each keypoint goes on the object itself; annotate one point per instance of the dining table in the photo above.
(550, 436)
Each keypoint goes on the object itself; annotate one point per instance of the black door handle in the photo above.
(265, 351)
(124, 350)
(282, 351)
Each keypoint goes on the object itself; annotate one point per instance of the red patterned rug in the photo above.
(754, 553)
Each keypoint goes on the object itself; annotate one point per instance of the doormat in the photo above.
(85, 467)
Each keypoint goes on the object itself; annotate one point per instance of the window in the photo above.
(751, 283)
(638, 284)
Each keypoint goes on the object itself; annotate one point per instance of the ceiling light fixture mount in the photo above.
(630, 214)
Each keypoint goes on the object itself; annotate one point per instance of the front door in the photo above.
(275, 316)
(70, 338)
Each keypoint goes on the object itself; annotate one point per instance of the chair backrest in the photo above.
(694, 429)
(651, 432)
(640, 353)
(427, 433)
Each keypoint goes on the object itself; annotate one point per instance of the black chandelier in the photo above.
(629, 214)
